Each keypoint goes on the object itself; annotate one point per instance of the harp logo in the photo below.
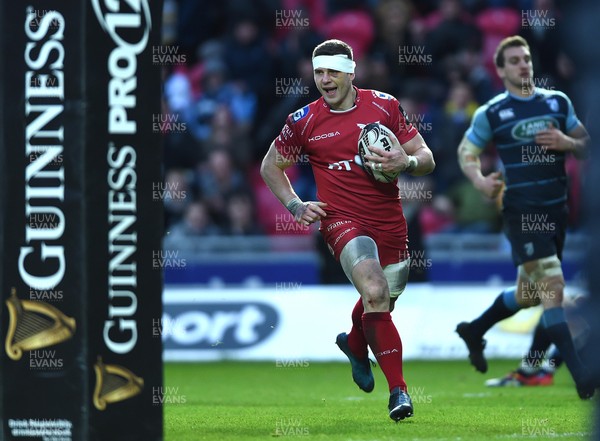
(34, 325)
(114, 383)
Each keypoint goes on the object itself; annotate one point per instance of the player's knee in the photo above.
(541, 281)
(526, 295)
(551, 291)
(376, 294)
(527, 302)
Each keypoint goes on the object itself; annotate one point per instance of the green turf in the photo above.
(259, 401)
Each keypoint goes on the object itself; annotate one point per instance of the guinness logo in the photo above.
(114, 383)
(34, 324)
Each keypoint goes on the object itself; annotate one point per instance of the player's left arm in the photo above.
(576, 140)
(419, 157)
(412, 157)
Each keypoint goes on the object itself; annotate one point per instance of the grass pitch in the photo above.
(306, 400)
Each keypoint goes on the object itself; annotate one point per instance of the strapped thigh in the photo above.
(397, 276)
(363, 247)
(546, 267)
(355, 251)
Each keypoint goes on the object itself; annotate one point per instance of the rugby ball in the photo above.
(376, 135)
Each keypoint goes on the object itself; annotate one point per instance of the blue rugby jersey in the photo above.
(533, 175)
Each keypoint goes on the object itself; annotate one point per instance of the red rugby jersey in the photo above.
(329, 140)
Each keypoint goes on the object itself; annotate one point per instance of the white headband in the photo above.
(338, 62)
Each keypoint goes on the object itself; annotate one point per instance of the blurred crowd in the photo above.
(243, 65)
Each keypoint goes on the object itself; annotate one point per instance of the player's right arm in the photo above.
(468, 156)
(273, 173)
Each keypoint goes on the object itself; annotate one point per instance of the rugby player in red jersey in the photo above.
(361, 219)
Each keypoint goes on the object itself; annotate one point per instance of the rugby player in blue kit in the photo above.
(533, 129)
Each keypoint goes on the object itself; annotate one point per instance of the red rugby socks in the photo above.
(356, 336)
(383, 338)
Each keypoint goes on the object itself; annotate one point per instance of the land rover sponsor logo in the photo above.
(528, 128)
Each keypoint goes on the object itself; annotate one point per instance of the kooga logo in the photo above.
(217, 325)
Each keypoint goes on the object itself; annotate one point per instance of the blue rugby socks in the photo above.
(553, 320)
(504, 306)
(538, 351)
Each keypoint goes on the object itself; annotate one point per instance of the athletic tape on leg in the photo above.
(355, 251)
(397, 276)
(363, 247)
(546, 267)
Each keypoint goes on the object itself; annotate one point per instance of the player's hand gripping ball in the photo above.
(376, 135)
